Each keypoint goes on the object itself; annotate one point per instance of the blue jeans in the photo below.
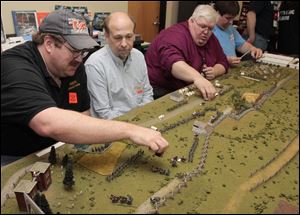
(260, 42)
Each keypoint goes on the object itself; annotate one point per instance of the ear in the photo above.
(48, 43)
(191, 21)
(106, 34)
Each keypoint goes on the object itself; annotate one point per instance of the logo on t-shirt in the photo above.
(73, 84)
(73, 98)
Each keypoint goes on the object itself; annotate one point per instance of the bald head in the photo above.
(117, 19)
(119, 34)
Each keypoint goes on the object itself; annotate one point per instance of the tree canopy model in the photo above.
(69, 178)
(52, 157)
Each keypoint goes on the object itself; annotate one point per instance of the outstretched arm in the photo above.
(183, 71)
(76, 128)
(255, 52)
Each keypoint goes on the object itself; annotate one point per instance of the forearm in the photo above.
(87, 112)
(219, 69)
(255, 52)
(76, 128)
(183, 71)
(233, 60)
(251, 22)
(245, 47)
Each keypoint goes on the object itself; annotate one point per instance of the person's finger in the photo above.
(160, 147)
(153, 146)
(204, 95)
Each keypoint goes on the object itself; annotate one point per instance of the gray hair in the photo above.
(207, 12)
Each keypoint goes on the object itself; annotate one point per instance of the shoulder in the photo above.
(213, 39)
(25, 52)
(217, 31)
(23, 61)
(178, 36)
(213, 43)
(179, 30)
(98, 56)
(136, 53)
(258, 6)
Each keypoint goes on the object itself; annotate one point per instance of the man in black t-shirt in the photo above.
(288, 28)
(260, 23)
(43, 89)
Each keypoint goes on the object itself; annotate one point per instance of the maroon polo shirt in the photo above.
(176, 44)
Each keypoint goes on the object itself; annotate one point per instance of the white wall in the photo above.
(47, 6)
(93, 6)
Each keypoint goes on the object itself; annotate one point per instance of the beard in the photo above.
(123, 54)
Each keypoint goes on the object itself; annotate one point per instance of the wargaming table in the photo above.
(236, 154)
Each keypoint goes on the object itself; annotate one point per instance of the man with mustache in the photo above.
(44, 95)
(117, 73)
(187, 53)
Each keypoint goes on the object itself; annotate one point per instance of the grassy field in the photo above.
(236, 149)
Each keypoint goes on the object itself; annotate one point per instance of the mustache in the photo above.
(125, 50)
(74, 63)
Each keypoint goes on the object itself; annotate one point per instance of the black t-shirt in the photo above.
(264, 17)
(27, 89)
(288, 28)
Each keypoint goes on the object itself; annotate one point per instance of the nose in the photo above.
(206, 30)
(124, 42)
(79, 58)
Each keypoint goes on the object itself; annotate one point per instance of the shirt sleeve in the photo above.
(238, 39)
(23, 92)
(171, 50)
(148, 91)
(218, 54)
(256, 6)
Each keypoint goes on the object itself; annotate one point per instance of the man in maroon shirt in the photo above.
(187, 53)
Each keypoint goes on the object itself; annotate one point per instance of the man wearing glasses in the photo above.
(187, 53)
(44, 96)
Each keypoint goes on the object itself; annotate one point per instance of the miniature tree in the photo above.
(69, 179)
(238, 101)
(37, 199)
(42, 202)
(45, 205)
(52, 157)
(65, 160)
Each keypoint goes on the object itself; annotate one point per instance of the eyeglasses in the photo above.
(77, 53)
(203, 26)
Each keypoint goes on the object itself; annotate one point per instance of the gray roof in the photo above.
(25, 186)
(39, 167)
